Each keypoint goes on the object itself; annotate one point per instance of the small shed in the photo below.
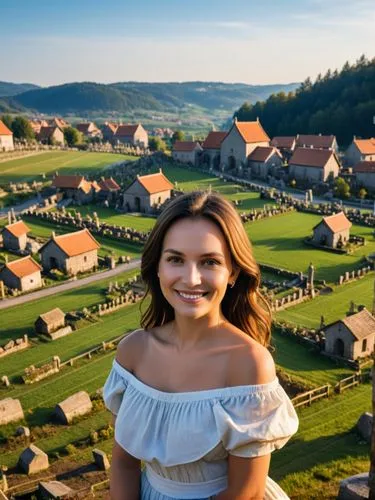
(55, 490)
(33, 460)
(147, 191)
(15, 236)
(352, 337)
(10, 411)
(76, 405)
(332, 230)
(211, 149)
(264, 160)
(22, 274)
(50, 321)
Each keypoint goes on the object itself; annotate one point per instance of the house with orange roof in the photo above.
(22, 274)
(75, 187)
(6, 138)
(58, 122)
(360, 150)
(332, 231)
(211, 149)
(108, 188)
(15, 236)
(51, 135)
(240, 141)
(36, 125)
(89, 130)
(364, 172)
(186, 151)
(134, 135)
(264, 160)
(71, 253)
(147, 192)
(318, 141)
(108, 131)
(313, 165)
(285, 144)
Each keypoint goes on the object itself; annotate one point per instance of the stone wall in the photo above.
(349, 276)
(14, 346)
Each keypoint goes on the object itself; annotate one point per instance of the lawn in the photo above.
(333, 306)
(65, 162)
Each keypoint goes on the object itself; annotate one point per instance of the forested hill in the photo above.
(9, 88)
(340, 103)
(128, 96)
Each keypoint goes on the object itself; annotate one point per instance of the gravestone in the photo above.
(101, 459)
(33, 460)
(76, 405)
(10, 410)
(55, 490)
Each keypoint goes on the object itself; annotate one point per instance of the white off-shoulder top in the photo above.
(184, 438)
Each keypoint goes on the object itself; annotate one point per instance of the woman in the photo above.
(195, 390)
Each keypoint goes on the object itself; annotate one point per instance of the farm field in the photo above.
(65, 162)
(333, 306)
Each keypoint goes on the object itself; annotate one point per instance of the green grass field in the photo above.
(333, 306)
(65, 162)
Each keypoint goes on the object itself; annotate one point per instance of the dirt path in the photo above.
(15, 301)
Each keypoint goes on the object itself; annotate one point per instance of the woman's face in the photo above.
(195, 267)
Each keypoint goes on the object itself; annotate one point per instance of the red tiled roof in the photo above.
(58, 122)
(109, 184)
(262, 153)
(252, 131)
(365, 146)
(83, 127)
(310, 157)
(72, 182)
(17, 228)
(185, 146)
(316, 141)
(46, 132)
(4, 130)
(360, 324)
(286, 142)
(364, 167)
(23, 267)
(126, 130)
(336, 222)
(214, 140)
(76, 243)
(155, 183)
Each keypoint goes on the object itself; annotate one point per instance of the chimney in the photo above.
(9, 218)
(6, 259)
(53, 235)
(13, 215)
(160, 171)
(235, 119)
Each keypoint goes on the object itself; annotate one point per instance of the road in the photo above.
(15, 301)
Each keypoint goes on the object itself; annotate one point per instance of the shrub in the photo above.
(70, 449)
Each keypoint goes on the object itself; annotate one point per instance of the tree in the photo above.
(157, 144)
(22, 129)
(72, 136)
(342, 188)
(7, 120)
(362, 193)
(178, 135)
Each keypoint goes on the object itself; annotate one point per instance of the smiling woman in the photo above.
(197, 379)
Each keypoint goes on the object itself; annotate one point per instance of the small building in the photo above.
(108, 188)
(36, 125)
(51, 135)
(71, 253)
(108, 131)
(313, 165)
(317, 142)
(22, 274)
(75, 187)
(134, 135)
(58, 122)
(285, 144)
(332, 230)
(264, 160)
(240, 142)
(33, 460)
(15, 236)
(352, 337)
(211, 149)
(360, 150)
(10, 411)
(50, 321)
(6, 138)
(186, 151)
(76, 405)
(89, 130)
(364, 172)
(146, 191)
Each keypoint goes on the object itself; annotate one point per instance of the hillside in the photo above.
(9, 89)
(86, 97)
(340, 103)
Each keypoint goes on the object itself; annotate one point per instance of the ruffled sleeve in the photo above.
(114, 389)
(258, 423)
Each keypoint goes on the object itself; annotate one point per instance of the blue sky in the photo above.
(268, 41)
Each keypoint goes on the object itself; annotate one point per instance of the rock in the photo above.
(19, 341)
(10, 410)
(9, 345)
(354, 488)
(101, 459)
(33, 460)
(364, 426)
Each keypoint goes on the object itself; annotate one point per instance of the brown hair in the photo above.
(243, 305)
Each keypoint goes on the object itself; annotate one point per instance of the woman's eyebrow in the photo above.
(208, 254)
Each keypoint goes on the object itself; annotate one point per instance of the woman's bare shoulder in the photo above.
(130, 349)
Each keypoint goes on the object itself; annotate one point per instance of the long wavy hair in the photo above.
(243, 305)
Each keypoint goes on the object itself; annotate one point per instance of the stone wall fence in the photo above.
(14, 346)
(354, 275)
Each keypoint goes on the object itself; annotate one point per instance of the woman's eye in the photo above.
(211, 262)
(174, 259)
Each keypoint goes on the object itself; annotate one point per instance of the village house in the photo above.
(51, 135)
(186, 151)
(351, 337)
(264, 160)
(108, 189)
(36, 125)
(71, 253)
(211, 149)
(6, 138)
(75, 187)
(317, 142)
(89, 130)
(285, 144)
(108, 131)
(22, 274)
(332, 230)
(58, 122)
(365, 174)
(146, 191)
(15, 236)
(360, 150)
(134, 135)
(313, 165)
(50, 321)
(240, 142)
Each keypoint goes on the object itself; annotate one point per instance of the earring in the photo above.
(232, 284)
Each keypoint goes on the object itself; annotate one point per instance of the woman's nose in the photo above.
(192, 275)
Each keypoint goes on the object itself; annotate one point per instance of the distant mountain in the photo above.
(9, 89)
(128, 96)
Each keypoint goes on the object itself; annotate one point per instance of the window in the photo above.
(85, 258)
(364, 345)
